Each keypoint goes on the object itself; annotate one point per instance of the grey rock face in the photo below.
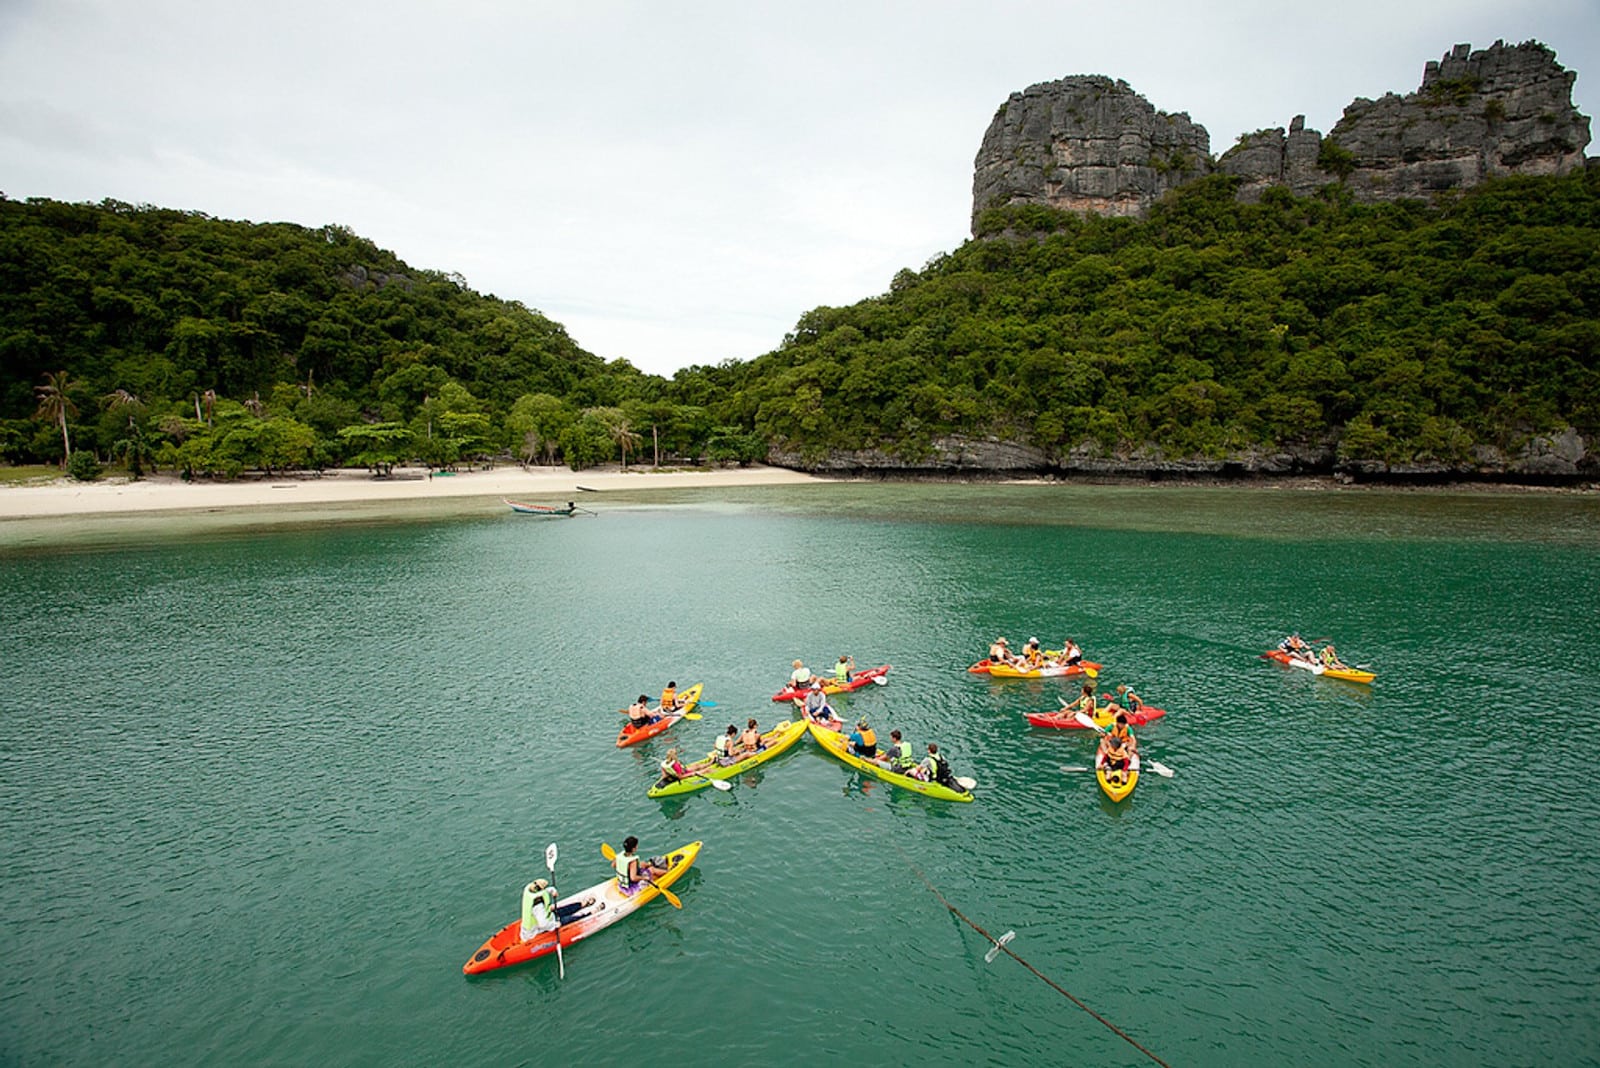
(1506, 109)
(1087, 144)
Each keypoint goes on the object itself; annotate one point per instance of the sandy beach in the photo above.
(537, 485)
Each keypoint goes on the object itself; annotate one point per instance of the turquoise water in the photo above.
(267, 789)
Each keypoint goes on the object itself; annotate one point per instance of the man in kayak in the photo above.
(863, 740)
(1126, 698)
(843, 669)
(815, 707)
(631, 872)
(1116, 747)
(935, 768)
(1330, 659)
(800, 677)
(1031, 654)
(899, 755)
(669, 698)
(639, 712)
(540, 913)
(1000, 653)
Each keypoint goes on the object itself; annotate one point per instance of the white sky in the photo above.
(675, 182)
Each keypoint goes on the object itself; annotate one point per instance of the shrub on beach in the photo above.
(83, 466)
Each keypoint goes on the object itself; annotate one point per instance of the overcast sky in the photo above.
(675, 182)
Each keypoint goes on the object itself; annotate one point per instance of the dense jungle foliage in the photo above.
(153, 337)
(1397, 333)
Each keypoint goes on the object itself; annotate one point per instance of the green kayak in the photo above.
(775, 741)
(835, 743)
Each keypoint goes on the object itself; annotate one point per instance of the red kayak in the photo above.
(631, 735)
(1102, 717)
(830, 685)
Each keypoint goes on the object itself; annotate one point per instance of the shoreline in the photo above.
(64, 497)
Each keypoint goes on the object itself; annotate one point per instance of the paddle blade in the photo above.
(1085, 719)
(607, 852)
(550, 856)
(1069, 768)
(719, 784)
(1092, 673)
(966, 782)
(672, 899)
(1159, 768)
(692, 715)
(706, 704)
(879, 680)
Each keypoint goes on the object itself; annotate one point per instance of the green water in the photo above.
(265, 790)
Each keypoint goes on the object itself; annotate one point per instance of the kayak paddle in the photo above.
(550, 863)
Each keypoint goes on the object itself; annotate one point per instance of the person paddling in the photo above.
(669, 698)
(631, 872)
(843, 669)
(639, 712)
(750, 740)
(1115, 750)
(800, 677)
(899, 755)
(726, 745)
(863, 740)
(540, 913)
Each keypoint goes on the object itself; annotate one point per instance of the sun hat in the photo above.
(862, 722)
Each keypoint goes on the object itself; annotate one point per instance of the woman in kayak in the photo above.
(639, 712)
(631, 871)
(750, 740)
(1000, 653)
(1070, 653)
(1085, 701)
(673, 769)
(669, 698)
(726, 745)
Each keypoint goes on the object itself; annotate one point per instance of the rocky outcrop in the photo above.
(1086, 144)
(1272, 158)
(1506, 109)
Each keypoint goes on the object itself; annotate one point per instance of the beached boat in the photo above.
(775, 741)
(610, 904)
(548, 511)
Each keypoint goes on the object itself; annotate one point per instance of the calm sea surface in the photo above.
(263, 791)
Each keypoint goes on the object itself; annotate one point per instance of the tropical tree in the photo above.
(56, 407)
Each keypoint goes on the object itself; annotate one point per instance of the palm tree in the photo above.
(622, 433)
(56, 406)
(136, 450)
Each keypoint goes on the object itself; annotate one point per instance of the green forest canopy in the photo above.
(1397, 332)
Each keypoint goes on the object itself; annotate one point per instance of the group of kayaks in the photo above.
(593, 909)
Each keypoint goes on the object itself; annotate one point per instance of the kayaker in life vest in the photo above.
(843, 669)
(1330, 659)
(672, 769)
(1128, 699)
(800, 676)
(639, 712)
(935, 768)
(1116, 749)
(750, 740)
(999, 652)
(1084, 702)
(669, 698)
(726, 744)
(899, 755)
(631, 871)
(1031, 654)
(863, 740)
(540, 913)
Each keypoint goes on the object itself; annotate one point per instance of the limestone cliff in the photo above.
(1089, 144)
(1086, 144)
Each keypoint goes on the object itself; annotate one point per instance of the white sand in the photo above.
(536, 485)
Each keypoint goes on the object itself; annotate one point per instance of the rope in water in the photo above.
(1002, 947)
